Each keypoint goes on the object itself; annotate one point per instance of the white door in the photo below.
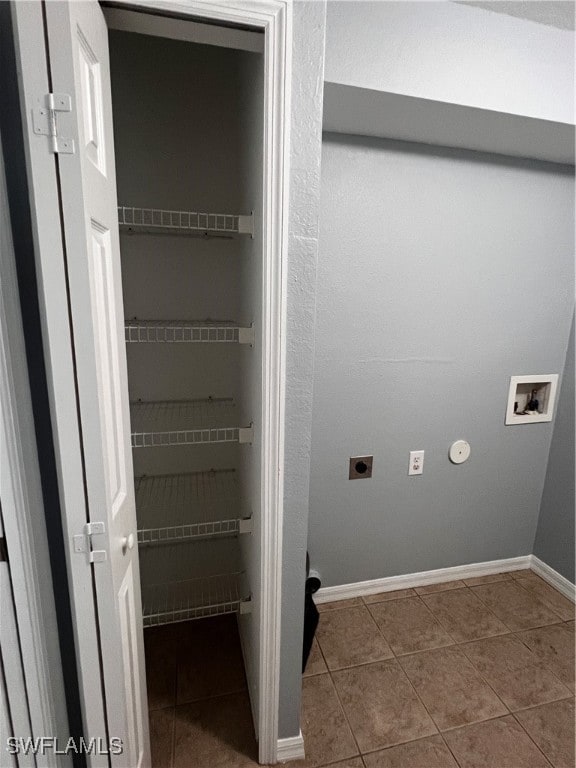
(79, 66)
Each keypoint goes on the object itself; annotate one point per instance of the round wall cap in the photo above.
(459, 452)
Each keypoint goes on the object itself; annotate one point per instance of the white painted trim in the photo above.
(291, 748)
(554, 578)
(189, 31)
(422, 579)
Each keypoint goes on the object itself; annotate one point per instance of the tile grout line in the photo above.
(490, 611)
(548, 669)
(410, 683)
(531, 739)
(541, 599)
(448, 747)
(537, 599)
(398, 655)
(345, 713)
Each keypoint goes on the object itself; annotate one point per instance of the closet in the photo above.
(188, 145)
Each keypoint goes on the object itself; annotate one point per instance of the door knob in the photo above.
(128, 542)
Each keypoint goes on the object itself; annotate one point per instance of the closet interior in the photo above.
(188, 146)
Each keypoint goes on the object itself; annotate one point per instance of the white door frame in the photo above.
(274, 19)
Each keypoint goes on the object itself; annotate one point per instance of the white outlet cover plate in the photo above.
(416, 465)
(459, 452)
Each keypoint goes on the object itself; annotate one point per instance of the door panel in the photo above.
(78, 42)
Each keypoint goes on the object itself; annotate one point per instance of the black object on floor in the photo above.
(311, 615)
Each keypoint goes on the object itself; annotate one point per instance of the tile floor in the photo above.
(467, 674)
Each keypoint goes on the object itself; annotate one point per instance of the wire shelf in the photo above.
(179, 507)
(194, 599)
(163, 221)
(186, 422)
(191, 580)
(187, 331)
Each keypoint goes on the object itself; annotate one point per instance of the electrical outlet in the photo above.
(416, 466)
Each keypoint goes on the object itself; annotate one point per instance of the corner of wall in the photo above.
(309, 22)
(554, 536)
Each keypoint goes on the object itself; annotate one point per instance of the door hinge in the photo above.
(83, 542)
(45, 122)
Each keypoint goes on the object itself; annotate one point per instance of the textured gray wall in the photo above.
(306, 150)
(554, 542)
(441, 273)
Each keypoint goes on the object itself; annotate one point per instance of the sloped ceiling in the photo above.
(553, 13)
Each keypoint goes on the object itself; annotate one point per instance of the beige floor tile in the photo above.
(444, 586)
(513, 605)
(209, 659)
(381, 705)
(315, 664)
(215, 733)
(549, 596)
(350, 637)
(477, 580)
(551, 726)
(162, 737)
(160, 647)
(452, 690)
(382, 597)
(355, 762)
(464, 616)
(500, 743)
(571, 624)
(409, 625)
(336, 605)
(424, 753)
(514, 672)
(525, 573)
(327, 735)
(554, 646)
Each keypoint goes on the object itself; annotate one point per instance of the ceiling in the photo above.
(553, 13)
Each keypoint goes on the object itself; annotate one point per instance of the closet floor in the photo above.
(470, 674)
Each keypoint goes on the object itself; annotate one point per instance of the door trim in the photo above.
(274, 19)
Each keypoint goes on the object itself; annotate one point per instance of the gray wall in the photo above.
(441, 273)
(306, 147)
(554, 542)
(453, 53)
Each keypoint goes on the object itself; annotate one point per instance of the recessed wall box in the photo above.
(360, 467)
(531, 398)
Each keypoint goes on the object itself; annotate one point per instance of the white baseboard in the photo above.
(554, 578)
(422, 579)
(290, 749)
